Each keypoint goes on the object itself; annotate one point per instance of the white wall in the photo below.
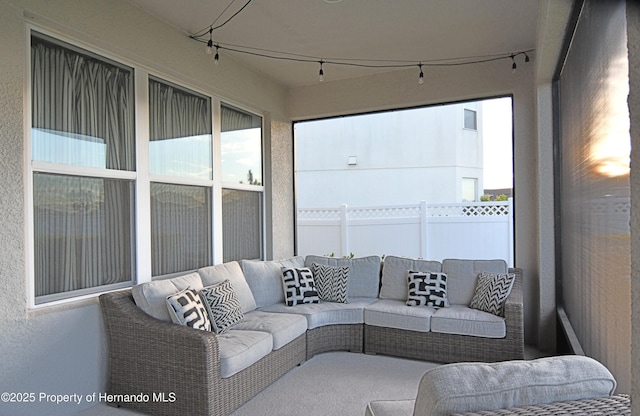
(402, 157)
(62, 350)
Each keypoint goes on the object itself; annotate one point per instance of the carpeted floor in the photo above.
(338, 383)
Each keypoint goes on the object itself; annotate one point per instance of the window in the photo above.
(243, 193)
(470, 119)
(108, 209)
(82, 170)
(180, 143)
(469, 189)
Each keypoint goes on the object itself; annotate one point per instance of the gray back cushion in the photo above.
(265, 278)
(219, 273)
(474, 387)
(364, 273)
(151, 297)
(395, 271)
(462, 276)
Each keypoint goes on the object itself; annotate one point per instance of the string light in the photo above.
(361, 63)
(210, 42)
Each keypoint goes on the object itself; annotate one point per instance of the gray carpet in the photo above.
(338, 383)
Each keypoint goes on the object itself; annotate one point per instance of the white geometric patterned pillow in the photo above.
(427, 289)
(186, 309)
(492, 290)
(222, 305)
(299, 286)
(331, 282)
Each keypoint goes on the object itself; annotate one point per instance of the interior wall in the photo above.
(62, 350)
(401, 89)
(594, 188)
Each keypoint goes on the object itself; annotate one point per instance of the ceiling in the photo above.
(369, 31)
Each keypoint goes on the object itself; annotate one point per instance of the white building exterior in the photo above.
(426, 154)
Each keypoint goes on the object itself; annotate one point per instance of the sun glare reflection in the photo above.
(611, 149)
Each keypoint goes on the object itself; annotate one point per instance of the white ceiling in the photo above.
(408, 30)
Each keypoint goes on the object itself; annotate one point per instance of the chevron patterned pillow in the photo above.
(492, 290)
(427, 289)
(299, 286)
(331, 281)
(186, 309)
(222, 305)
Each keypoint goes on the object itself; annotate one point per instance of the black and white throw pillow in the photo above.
(427, 289)
(299, 286)
(186, 308)
(331, 282)
(492, 290)
(222, 305)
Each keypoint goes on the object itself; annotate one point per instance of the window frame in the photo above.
(141, 176)
(241, 186)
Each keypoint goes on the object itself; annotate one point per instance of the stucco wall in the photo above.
(62, 350)
(400, 89)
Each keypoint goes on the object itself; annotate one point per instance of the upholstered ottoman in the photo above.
(480, 387)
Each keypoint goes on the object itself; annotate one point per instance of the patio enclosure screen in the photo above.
(594, 189)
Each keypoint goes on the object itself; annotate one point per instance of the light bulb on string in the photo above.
(216, 58)
(421, 76)
(210, 42)
(526, 57)
(514, 66)
(321, 72)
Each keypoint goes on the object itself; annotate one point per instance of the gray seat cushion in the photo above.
(364, 273)
(327, 313)
(391, 313)
(462, 320)
(395, 271)
(239, 349)
(473, 387)
(283, 327)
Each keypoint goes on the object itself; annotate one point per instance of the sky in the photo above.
(498, 153)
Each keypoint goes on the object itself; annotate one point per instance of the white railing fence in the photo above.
(474, 230)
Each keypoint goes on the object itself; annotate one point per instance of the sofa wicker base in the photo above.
(442, 348)
(166, 369)
(346, 337)
(619, 405)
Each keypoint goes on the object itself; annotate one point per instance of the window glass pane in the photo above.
(470, 119)
(241, 224)
(180, 228)
(241, 147)
(179, 132)
(469, 189)
(83, 112)
(83, 230)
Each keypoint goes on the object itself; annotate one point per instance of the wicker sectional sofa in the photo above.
(181, 371)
